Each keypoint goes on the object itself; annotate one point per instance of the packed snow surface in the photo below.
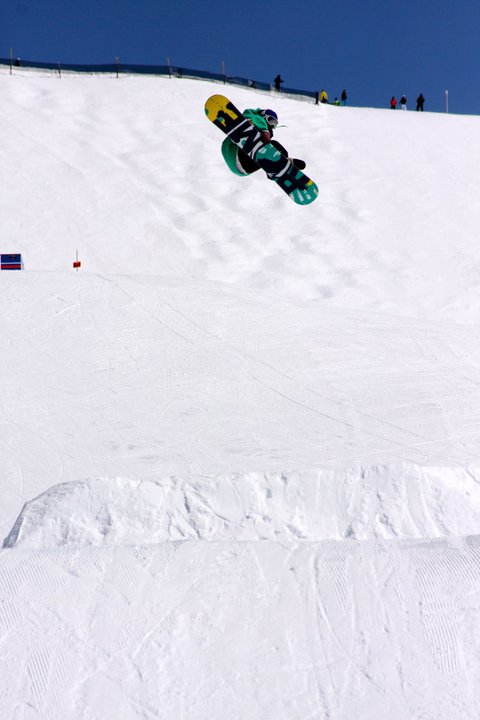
(240, 448)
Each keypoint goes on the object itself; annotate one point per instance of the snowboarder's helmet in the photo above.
(271, 117)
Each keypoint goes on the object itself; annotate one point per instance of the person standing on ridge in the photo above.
(277, 82)
(393, 103)
(420, 101)
(343, 97)
(323, 97)
(403, 102)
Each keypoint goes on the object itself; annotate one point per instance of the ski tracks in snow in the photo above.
(338, 416)
(328, 629)
(372, 645)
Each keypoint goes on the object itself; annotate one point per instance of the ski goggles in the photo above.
(271, 119)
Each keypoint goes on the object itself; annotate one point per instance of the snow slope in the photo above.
(239, 467)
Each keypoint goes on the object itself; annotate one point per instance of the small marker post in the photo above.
(76, 263)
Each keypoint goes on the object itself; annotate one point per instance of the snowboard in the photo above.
(223, 113)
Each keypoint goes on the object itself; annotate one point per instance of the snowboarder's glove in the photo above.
(266, 136)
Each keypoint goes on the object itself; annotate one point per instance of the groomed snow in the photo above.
(239, 467)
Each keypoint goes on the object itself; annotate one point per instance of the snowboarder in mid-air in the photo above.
(237, 160)
(249, 147)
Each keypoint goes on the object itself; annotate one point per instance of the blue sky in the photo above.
(373, 49)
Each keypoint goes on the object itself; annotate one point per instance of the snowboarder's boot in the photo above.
(299, 164)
